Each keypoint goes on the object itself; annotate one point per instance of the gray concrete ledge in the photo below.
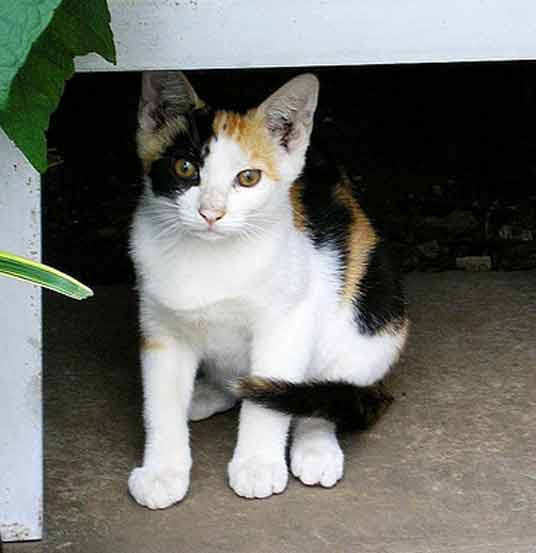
(451, 468)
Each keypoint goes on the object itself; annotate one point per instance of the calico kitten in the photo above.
(268, 274)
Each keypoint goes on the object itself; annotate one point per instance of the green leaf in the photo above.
(85, 28)
(42, 275)
(77, 28)
(21, 22)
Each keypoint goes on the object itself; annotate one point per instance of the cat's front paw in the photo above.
(158, 488)
(257, 477)
(317, 462)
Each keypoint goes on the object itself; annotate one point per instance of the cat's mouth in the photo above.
(209, 234)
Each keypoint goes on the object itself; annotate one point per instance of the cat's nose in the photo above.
(211, 215)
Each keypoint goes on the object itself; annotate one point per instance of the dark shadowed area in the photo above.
(442, 156)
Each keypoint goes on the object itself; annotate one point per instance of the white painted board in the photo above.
(21, 439)
(204, 34)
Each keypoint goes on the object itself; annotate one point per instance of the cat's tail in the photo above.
(349, 406)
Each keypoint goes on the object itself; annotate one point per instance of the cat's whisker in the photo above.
(245, 233)
(249, 230)
(166, 229)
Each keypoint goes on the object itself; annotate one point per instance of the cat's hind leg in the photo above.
(316, 457)
(209, 399)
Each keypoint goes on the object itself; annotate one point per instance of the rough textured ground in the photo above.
(451, 468)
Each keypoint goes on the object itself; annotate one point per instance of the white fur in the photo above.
(209, 399)
(316, 456)
(251, 295)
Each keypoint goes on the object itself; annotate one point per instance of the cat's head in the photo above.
(220, 173)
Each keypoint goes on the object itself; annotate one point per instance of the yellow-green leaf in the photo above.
(25, 269)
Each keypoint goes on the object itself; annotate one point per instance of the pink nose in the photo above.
(211, 215)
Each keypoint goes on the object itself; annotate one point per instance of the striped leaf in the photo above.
(42, 275)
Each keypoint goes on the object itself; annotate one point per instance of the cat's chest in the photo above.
(207, 287)
(216, 330)
(196, 276)
(214, 325)
(230, 313)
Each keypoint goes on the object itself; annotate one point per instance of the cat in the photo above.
(267, 273)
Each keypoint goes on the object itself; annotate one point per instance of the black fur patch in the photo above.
(349, 407)
(327, 219)
(191, 145)
(381, 299)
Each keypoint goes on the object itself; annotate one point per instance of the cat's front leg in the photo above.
(168, 369)
(316, 456)
(258, 468)
(281, 349)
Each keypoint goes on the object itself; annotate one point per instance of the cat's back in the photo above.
(327, 210)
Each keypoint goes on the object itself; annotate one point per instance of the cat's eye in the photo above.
(185, 169)
(249, 177)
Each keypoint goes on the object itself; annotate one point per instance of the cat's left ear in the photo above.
(165, 95)
(289, 112)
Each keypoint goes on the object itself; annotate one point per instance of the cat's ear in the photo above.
(165, 95)
(289, 112)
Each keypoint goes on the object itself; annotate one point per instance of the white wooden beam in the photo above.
(21, 438)
(204, 34)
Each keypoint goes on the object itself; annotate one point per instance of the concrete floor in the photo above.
(451, 468)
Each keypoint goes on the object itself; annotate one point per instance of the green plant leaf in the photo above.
(25, 269)
(21, 22)
(77, 28)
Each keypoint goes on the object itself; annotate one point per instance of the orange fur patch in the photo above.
(361, 241)
(151, 144)
(298, 210)
(254, 385)
(148, 344)
(249, 131)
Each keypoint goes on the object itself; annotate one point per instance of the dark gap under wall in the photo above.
(443, 157)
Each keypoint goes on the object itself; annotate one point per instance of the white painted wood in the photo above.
(21, 451)
(204, 34)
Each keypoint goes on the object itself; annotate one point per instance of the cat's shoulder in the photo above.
(325, 205)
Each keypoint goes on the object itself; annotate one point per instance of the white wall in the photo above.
(189, 34)
(21, 457)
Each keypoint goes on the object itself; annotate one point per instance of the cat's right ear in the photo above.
(165, 95)
(290, 110)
